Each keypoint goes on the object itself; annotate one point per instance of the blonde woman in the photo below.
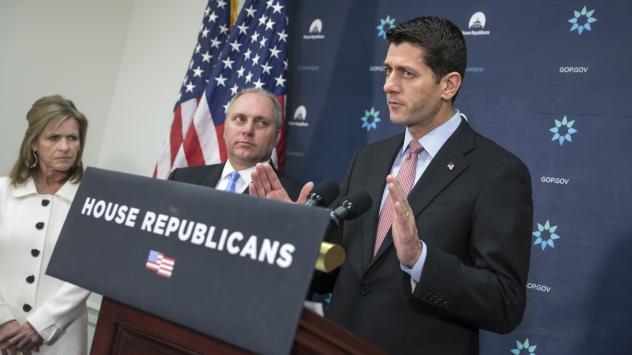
(39, 313)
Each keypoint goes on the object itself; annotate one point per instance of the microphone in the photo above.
(323, 194)
(331, 256)
(354, 205)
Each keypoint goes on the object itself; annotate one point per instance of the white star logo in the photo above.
(197, 48)
(280, 81)
(263, 42)
(254, 37)
(206, 11)
(228, 63)
(197, 72)
(243, 29)
(234, 89)
(206, 57)
(234, 46)
(258, 84)
(269, 3)
(282, 36)
(204, 33)
(221, 4)
(190, 87)
(274, 52)
(250, 11)
(248, 77)
(240, 72)
(255, 60)
(247, 54)
(223, 29)
(277, 8)
(270, 24)
(262, 20)
(266, 68)
(215, 43)
(221, 80)
(212, 17)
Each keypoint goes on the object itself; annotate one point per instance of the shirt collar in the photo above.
(434, 140)
(246, 174)
(67, 190)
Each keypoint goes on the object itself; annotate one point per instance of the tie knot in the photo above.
(414, 148)
(232, 183)
(234, 176)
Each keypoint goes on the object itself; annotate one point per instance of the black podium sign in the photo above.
(231, 266)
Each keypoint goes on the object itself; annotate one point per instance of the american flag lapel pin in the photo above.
(450, 166)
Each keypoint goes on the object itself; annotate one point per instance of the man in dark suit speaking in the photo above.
(444, 251)
(251, 130)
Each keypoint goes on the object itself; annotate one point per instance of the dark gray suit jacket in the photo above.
(209, 175)
(476, 221)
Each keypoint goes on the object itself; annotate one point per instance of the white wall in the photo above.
(70, 47)
(120, 61)
(160, 41)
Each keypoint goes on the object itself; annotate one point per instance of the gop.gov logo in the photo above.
(315, 30)
(385, 24)
(299, 118)
(545, 235)
(477, 25)
(370, 119)
(563, 130)
(581, 20)
(524, 348)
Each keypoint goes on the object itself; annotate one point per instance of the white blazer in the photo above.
(29, 227)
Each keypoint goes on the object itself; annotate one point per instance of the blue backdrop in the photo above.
(548, 81)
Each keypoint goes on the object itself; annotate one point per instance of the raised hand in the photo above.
(265, 183)
(404, 228)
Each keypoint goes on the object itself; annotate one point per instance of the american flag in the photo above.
(253, 55)
(160, 263)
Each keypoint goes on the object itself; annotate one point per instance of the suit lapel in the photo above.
(379, 168)
(213, 175)
(444, 168)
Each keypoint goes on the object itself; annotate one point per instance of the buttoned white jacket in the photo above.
(29, 227)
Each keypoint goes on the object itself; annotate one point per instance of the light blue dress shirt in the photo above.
(432, 143)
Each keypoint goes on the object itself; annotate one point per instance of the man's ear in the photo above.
(450, 84)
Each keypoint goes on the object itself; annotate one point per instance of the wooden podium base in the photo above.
(127, 331)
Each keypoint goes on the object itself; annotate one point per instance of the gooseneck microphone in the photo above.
(323, 194)
(351, 207)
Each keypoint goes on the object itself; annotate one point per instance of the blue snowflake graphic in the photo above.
(530, 349)
(580, 26)
(382, 28)
(560, 136)
(370, 119)
(541, 238)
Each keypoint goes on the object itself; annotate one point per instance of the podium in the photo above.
(123, 330)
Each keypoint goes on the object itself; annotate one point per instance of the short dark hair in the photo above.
(443, 43)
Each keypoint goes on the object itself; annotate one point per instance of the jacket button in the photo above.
(45, 202)
(35, 252)
(364, 289)
(39, 225)
(26, 308)
(30, 279)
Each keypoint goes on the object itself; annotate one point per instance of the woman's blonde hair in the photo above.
(44, 111)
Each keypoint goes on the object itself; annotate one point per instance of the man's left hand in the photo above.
(404, 228)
